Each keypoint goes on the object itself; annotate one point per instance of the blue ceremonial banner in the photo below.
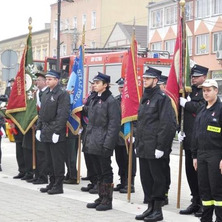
(75, 89)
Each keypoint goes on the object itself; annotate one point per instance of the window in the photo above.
(54, 53)
(93, 44)
(171, 15)
(93, 24)
(190, 45)
(156, 46)
(202, 44)
(83, 20)
(170, 45)
(44, 53)
(189, 11)
(63, 50)
(217, 41)
(55, 30)
(216, 7)
(66, 24)
(203, 8)
(38, 54)
(75, 22)
(157, 18)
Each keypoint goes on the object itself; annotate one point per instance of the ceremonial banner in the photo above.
(130, 95)
(21, 108)
(176, 82)
(75, 87)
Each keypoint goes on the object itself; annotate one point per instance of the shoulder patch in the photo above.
(162, 94)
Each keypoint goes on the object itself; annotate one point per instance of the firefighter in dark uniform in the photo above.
(121, 154)
(51, 130)
(91, 174)
(101, 137)
(162, 84)
(207, 152)
(156, 127)
(191, 104)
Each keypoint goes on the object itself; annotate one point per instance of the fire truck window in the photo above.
(115, 73)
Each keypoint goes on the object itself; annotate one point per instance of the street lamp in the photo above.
(58, 34)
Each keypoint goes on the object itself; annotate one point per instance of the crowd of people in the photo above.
(154, 132)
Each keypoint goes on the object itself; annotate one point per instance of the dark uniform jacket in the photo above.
(207, 135)
(54, 113)
(190, 112)
(120, 141)
(104, 125)
(156, 125)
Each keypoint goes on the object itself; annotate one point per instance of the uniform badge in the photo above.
(213, 114)
(214, 120)
(100, 101)
(52, 99)
(148, 102)
(196, 94)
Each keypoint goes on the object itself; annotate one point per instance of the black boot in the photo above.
(106, 203)
(57, 187)
(157, 214)
(192, 208)
(125, 189)
(199, 212)
(147, 212)
(98, 201)
(122, 183)
(49, 186)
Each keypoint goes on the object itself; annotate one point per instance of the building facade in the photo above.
(204, 30)
(99, 18)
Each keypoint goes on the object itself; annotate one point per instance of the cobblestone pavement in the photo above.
(22, 201)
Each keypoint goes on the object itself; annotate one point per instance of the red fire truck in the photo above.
(113, 64)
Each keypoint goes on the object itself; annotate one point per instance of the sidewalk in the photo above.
(22, 201)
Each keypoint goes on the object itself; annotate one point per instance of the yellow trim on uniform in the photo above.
(208, 203)
(218, 203)
(214, 129)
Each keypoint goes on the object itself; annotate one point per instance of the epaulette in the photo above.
(162, 93)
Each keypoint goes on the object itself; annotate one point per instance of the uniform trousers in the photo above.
(24, 159)
(91, 173)
(191, 174)
(122, 161)
(153, 178)
(0, 150)
(71, 157)
(103, 168)
(41, 171)
(55, 153)
(210, 183)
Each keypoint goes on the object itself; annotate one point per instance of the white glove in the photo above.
(188, 99)
(158, 154)
(3, 132)
(133, 140)
(181, 136)
(80, 131)
(37, 135)
(55, 138)
(183, 101)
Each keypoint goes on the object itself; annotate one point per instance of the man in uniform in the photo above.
(121, 154)
(51, 130)
(156, 127)
(191, 104)
(9, 88)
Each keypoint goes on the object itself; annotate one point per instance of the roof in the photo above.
(140, 32)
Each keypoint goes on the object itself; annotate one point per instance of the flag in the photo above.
(130, 95)
(21, 108)
(75, 87)
(176, 82)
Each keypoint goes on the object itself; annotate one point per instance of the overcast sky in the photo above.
(14, 15)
